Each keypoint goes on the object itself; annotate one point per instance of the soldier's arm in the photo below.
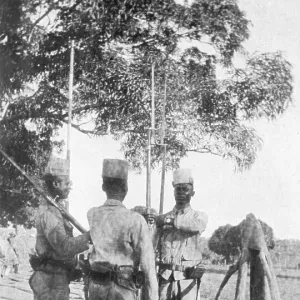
(147, 260)
(194, 222)
(55, 233)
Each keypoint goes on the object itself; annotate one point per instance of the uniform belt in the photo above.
(103, 277)
(59, 263)
(106, 271)
(173, 267)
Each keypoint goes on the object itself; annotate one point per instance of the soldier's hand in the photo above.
(164, 220)
(88, 234)
(169, 220)
(84, 266)
(195, 272)
(160, 221)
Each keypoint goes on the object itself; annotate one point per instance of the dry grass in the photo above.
(15, 286)
(288, 284)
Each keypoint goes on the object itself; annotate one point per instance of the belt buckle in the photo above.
(111, 276)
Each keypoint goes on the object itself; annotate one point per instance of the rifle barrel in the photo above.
(67, 216)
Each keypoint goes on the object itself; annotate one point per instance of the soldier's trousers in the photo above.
(109, 291)
(187, 289)
(50, 286)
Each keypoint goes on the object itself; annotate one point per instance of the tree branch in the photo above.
(203, 151)
(79, 129)
(51, 7)
(81, 109)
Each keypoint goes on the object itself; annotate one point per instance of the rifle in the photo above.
(65, 214)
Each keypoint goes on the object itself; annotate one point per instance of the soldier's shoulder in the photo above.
(200, 214)
(94, 210)
(135, 216)
(50, 209)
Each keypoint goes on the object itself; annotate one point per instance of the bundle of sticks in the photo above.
(255, 257)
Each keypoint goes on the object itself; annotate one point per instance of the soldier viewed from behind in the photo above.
(55, 245)
(178, 247)
(122, 243)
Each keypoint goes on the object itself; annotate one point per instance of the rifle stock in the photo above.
(65, 214)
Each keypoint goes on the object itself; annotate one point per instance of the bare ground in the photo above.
(16, 287)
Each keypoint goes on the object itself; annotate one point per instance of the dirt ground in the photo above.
(16, 287)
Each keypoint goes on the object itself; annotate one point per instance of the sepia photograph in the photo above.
(149, 150)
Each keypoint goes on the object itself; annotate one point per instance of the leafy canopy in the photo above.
(116, 45)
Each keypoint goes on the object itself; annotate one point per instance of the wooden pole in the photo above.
(232, 269)
(240, 293)
(148, 186)
(153, 101)
(163, 147)
(150, 138)
(71, 78)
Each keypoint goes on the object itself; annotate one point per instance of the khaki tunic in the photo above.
(120, 236)
(180, 245)
(55, 240)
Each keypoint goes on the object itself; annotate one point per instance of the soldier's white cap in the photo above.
(182, 176)
(115, 168)
(58, 166)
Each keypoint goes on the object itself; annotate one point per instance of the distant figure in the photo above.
(4, 245)
(13, 255)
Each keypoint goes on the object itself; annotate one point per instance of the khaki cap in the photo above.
(182, 176)
(115, 168)
(58, 166)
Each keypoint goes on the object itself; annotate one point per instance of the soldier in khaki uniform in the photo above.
(122, 243)
(178, 247)
(55, 245)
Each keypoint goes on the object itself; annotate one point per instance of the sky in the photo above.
(270, 189)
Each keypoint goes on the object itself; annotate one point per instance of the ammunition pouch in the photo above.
(35, 262)
(84, 266)
(38, 264)
(125, 276)
(195, 272)
(139, 279)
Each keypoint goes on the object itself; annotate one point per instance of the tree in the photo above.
(218, 244)
(227, 240)
(30, 146)
(116, 44)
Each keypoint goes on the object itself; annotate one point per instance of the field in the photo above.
(15, 286)
(288, 284)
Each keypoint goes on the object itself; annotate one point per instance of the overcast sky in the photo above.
(270, 190)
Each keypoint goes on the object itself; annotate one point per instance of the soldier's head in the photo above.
(57, 180)
(183, 184)
(148, 214)
(58, 186)
(115, 175)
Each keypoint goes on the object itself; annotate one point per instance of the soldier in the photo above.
(150, 218)
(178, 247)
(122, 243)
(55, 245)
